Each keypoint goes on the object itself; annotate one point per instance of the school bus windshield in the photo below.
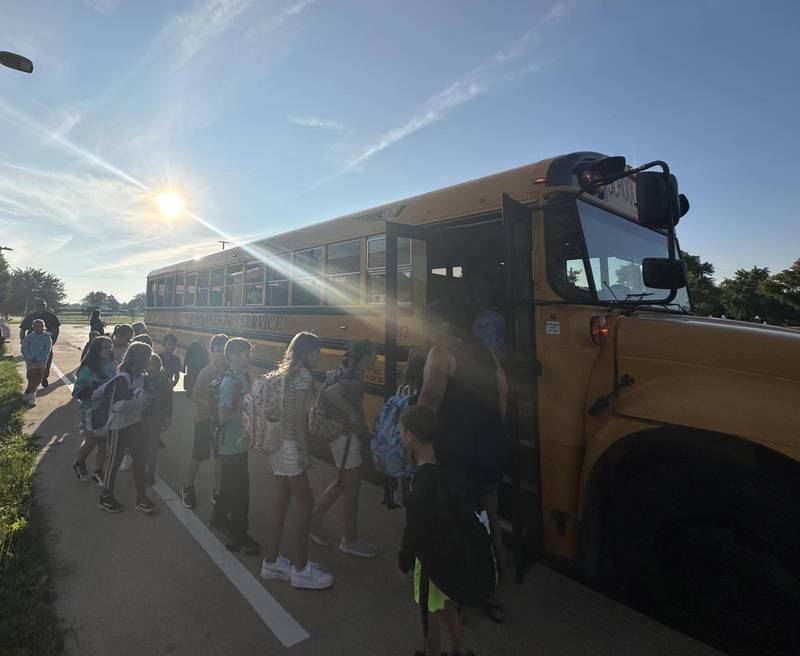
(614, 249)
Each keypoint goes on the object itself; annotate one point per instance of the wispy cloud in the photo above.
(196, 30)
(495, 70)
(316, 122)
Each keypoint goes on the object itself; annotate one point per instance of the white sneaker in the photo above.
(125, 465)
(358, 548)
(280, 569)
(311, 577)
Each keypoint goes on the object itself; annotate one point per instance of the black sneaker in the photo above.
(249, 549)
(80, 471)
(143, 504)
(44, 382)
(110, 504)
(250, 546)
(188, 497)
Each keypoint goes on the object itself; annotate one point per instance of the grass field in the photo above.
(73, 319)
(29, 625)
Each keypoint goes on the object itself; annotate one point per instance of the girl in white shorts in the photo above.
(345, 390)
(289, 464)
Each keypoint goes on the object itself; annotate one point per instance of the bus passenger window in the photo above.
(179, 286)
(278, 274)
(160, 288)
(170, 290)
(217, 286)
(344, 274)
(306, 283)
(151, 293)
(233, 285)
(254, 283)
(190, 290)
(202, 289)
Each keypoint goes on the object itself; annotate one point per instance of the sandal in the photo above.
(494, 611)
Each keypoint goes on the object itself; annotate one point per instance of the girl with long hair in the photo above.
(195, 361)
(344, 389)
(289, 464)
(96, 368)
(128, 402)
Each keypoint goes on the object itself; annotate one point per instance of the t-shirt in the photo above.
(232, 438)
(200, 388)
(118, 352)
(299, 380)
(51, 322)
(490, 327)
(172, 366)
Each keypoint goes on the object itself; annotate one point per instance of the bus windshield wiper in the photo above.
(639, 296)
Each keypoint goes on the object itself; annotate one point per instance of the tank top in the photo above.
(471, 428)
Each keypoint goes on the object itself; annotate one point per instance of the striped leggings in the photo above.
(132, 439)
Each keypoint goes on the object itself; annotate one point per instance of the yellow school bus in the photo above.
(655, 452)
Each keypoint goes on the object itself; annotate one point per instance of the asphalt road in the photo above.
(131, 584)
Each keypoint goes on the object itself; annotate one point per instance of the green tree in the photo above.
(784, 287)
(744, 298)
(630, 275)
(706, 295)
(137, 302)
(28, 285)
(96, 299)
(5, 285)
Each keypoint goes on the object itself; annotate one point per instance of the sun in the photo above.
(170, 204)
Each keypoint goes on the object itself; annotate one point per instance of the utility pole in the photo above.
(224, 243)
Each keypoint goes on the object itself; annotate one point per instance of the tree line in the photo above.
(20, 288)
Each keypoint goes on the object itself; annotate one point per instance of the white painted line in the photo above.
(283, 626)
(61, 375)
(45, 449)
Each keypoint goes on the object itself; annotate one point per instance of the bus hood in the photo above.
(711, 374)
(708, 342)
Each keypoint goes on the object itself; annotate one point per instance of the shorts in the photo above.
(436, 598)
(286, 461)
(353, 455)
(203, 443)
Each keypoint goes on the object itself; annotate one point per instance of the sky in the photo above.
(268, 115)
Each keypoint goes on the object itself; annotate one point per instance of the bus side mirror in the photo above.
(655, 200)
(664, 273)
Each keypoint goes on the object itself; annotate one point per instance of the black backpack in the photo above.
(462, 560)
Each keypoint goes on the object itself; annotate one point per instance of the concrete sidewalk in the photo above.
(137, 584)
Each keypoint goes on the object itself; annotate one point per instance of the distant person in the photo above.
(171, 362)
(344, 389)
(96, 324)
(139, 328)
(289, 465)
(231, 510)
(126, 430)
(121, 337)
(203, 447)
(37, 347)
(52, 325)
(418, 431)
(157, 415)
(5, 332)
(144, 339)
(96, 368)
(196, 360)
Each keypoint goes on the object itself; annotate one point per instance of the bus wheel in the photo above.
(712, 550)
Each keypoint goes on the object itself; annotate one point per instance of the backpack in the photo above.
(262, 412)
(214, 388)
(462, 562)
(107, 414)
(388, 452)
(325, 422)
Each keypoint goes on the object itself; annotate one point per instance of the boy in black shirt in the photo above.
(418, 428)
(171, 362)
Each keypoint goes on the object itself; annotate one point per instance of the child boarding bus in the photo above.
(655, 452)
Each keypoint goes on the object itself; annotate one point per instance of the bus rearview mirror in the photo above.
(655, 200)
(664, 273)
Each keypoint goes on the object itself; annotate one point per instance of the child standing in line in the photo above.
(158, 414)
(418, 428)
(96, 368)
(195, 361)
(121, 338)
(231, 509)
(169, 361)
(36, 349)
(126, 430)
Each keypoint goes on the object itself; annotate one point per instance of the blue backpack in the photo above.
(388, 452)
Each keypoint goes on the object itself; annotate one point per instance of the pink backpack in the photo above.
(262, 412)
